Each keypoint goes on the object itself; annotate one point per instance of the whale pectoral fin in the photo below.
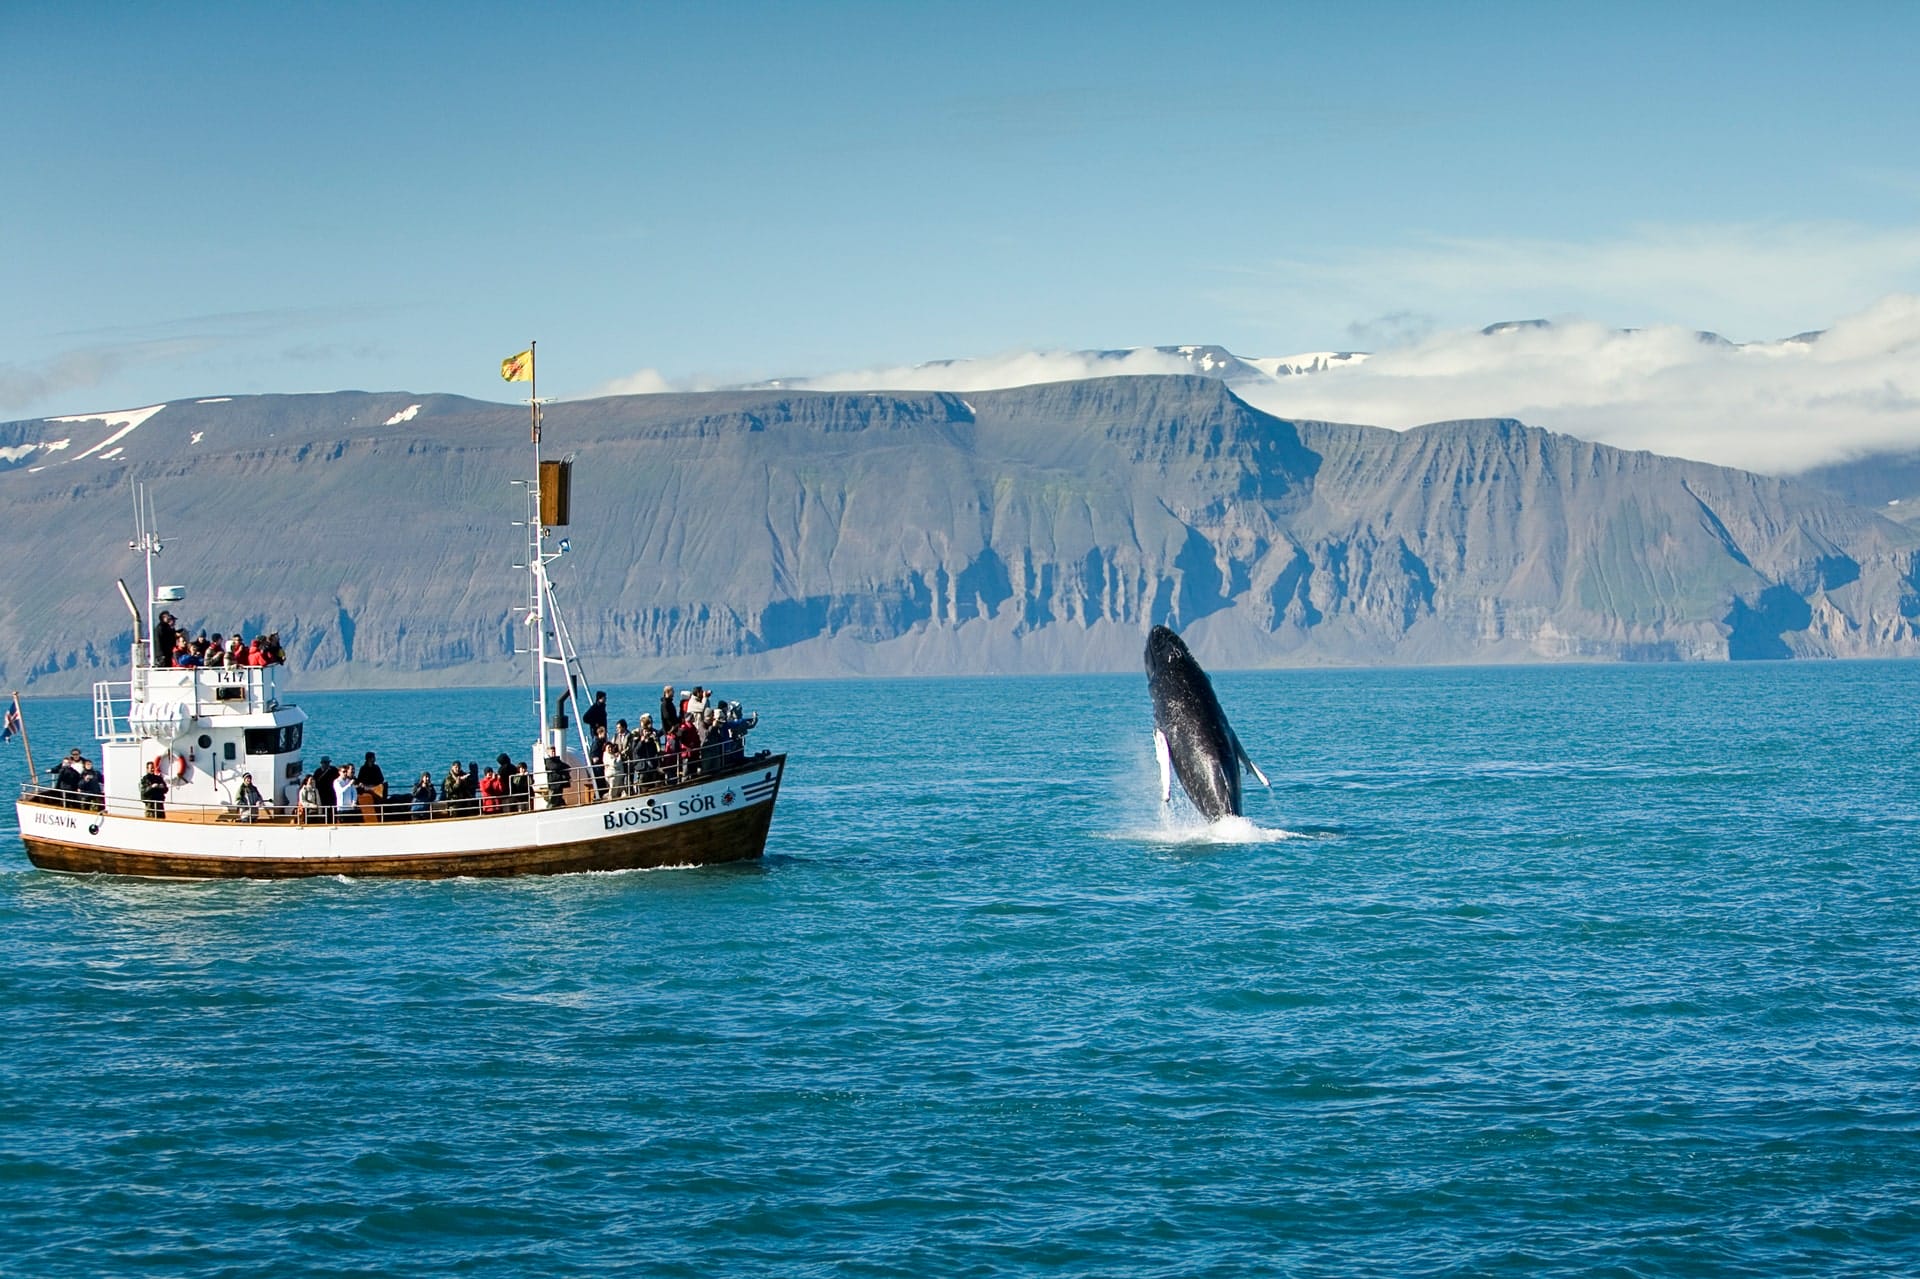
(1164, 754)
(1241, 752)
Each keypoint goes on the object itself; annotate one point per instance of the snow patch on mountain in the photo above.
(128, 420)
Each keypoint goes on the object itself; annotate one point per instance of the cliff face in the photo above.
(1886, 482)
(1036, 529)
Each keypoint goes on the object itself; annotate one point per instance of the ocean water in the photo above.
(1568, 971)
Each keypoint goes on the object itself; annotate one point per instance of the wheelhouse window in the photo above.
(274, 741)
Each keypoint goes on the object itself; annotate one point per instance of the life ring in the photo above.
(179, 765)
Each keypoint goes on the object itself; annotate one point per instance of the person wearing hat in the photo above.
(645, 752)
(323, 779)
(512, 785)
(166, 638)
(66, 779)
(248, 798)
(453, 789)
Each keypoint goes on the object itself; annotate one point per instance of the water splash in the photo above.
(1188, 829)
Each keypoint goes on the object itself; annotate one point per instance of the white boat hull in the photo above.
(709, 821)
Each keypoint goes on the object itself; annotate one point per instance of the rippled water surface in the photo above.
(1525, 971)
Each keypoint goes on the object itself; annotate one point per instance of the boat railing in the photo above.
(112, 700)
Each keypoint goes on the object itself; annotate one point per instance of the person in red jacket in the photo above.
(688, 736)
(493, 792)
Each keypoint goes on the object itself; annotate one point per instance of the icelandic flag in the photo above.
(12, 723)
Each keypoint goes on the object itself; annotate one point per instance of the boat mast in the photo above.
(552, 643)
(536, 561)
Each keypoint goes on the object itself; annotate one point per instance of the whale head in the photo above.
(1165, 649)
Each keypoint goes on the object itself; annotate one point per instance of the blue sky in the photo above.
(226, 199)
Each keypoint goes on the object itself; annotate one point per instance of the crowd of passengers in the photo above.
(77, 783)
(705, 736)
(172, 646)
(698, 735)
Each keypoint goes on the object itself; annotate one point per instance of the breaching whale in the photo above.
(1191, 735)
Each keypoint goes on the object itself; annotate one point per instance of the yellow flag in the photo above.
(518, 368)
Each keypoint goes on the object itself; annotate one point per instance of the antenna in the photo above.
(147, 525)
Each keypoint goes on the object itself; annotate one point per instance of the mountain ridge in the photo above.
(779, 533)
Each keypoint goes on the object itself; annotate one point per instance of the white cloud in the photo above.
(645, 382)
(1776, 407)
(1014, 368)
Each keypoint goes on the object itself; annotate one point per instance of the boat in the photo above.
(178, 747)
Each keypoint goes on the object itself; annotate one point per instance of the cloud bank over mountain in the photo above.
(1778, 406)
(992, 373)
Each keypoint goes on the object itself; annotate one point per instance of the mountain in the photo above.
(1888, 481)
(1043, 528)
